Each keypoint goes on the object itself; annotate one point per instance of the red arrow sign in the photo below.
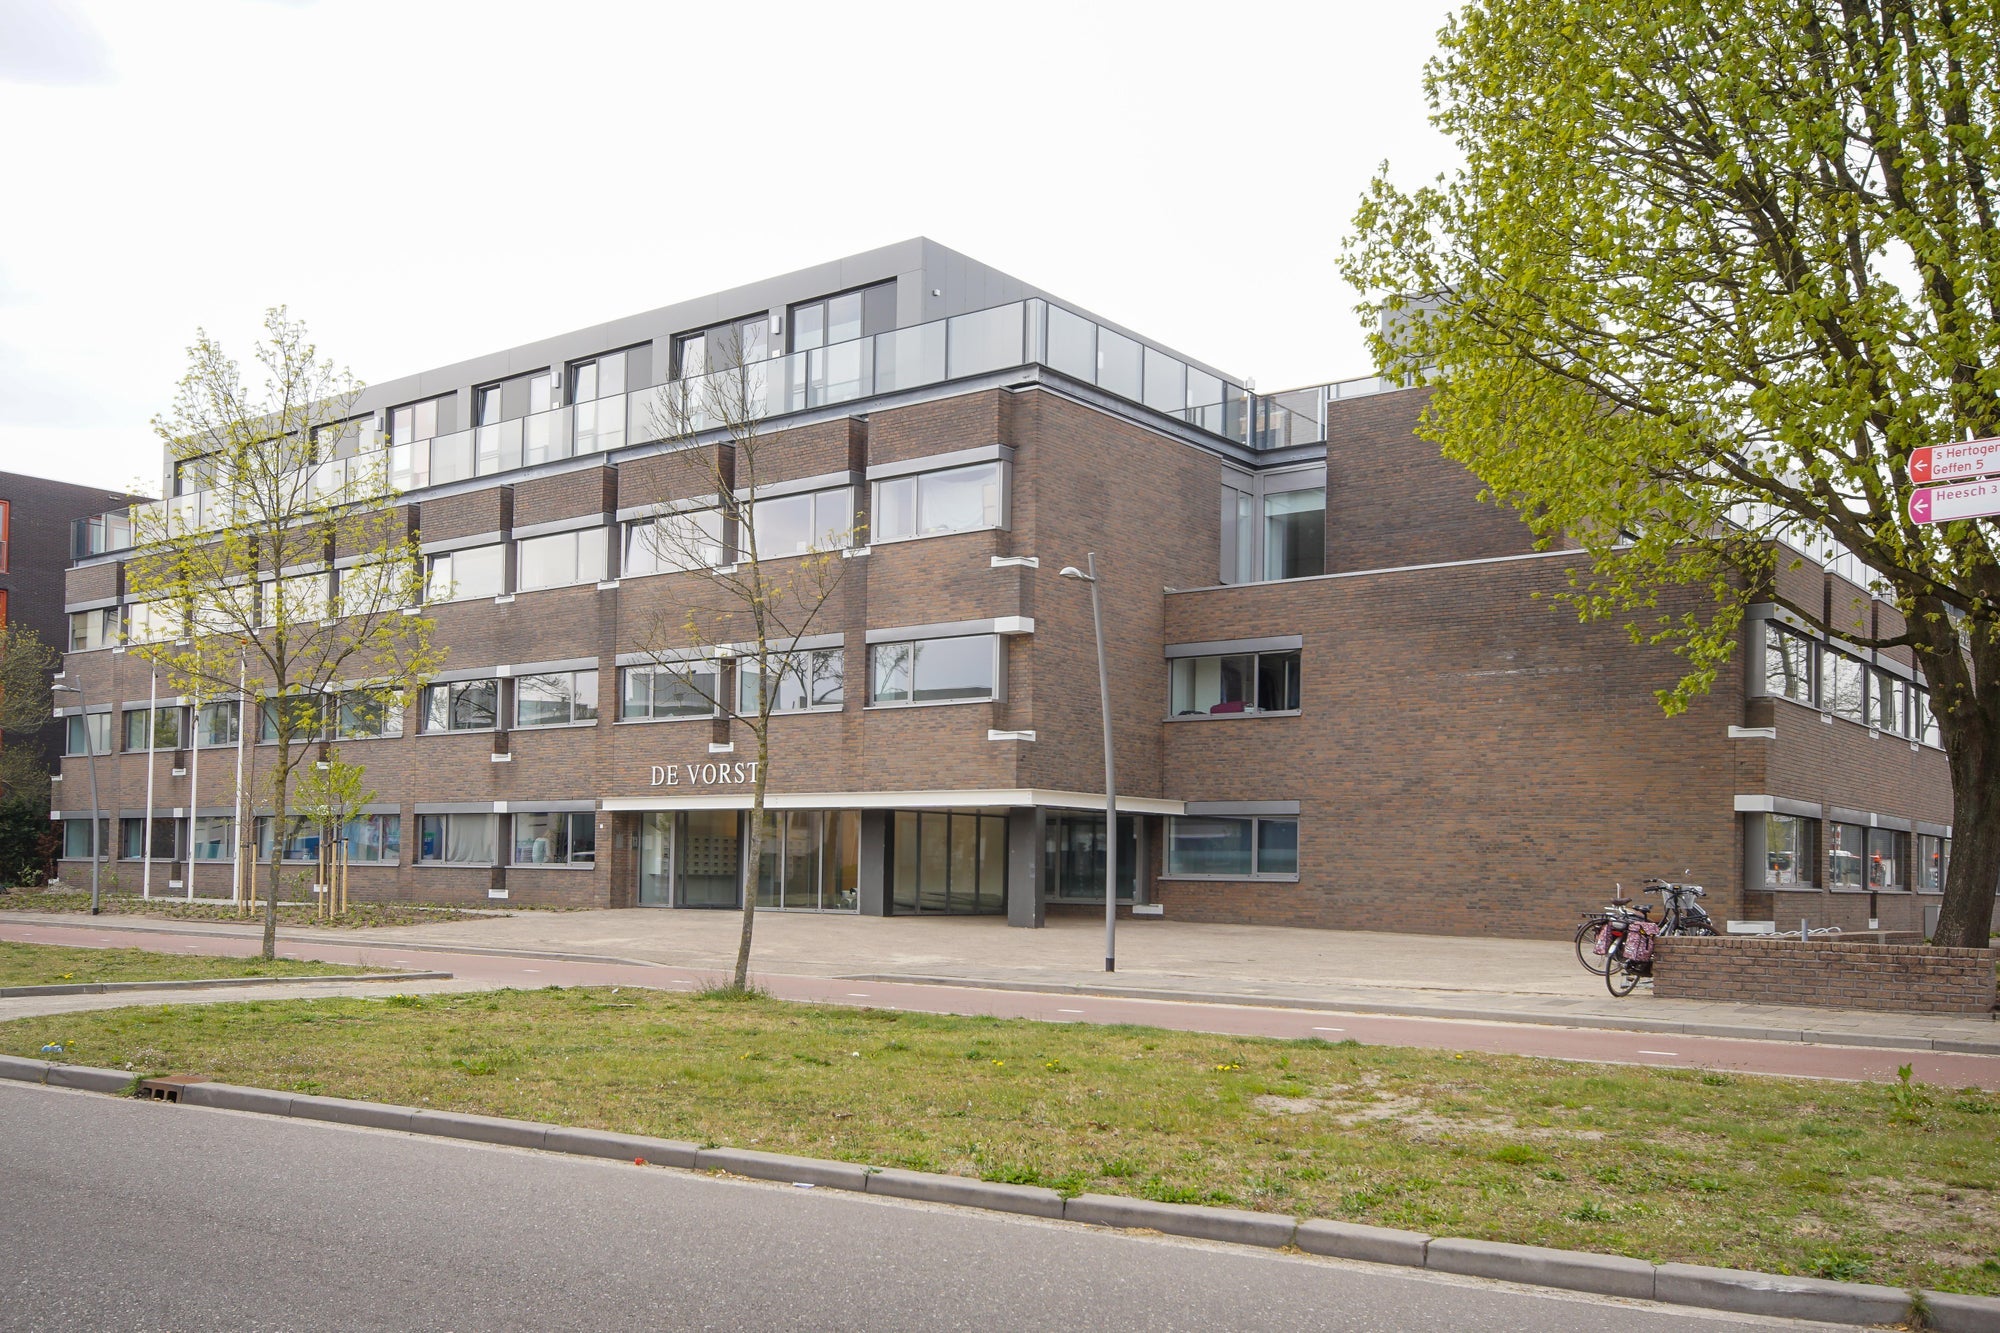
(1920, 505)
(1949, 504)
(1955, 462)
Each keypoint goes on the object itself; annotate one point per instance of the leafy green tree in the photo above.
(26, 706)
(290, 569)
(1708, 275)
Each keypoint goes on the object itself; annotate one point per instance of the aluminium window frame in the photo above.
(1255, 874)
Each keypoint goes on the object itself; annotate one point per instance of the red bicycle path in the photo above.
(1722, 1054)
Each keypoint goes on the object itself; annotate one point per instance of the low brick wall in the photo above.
(1911, 978)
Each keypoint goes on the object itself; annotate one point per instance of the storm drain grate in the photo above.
(167, 1088)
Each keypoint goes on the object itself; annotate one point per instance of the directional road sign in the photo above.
(1947, 504)
(1954, 462)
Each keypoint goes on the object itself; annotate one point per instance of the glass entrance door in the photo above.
(656, 857)
(708, 858)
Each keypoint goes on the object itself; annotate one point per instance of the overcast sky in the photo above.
(423, 182)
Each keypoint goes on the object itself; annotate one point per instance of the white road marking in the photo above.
(531, 969)
(1069, 1011)
(857, 995)
(1657, 1052)
(1329, 1029)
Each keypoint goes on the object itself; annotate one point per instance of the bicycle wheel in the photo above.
(1622, 978)
(1586, 945)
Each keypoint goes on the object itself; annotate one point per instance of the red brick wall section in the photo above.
(1904, 978)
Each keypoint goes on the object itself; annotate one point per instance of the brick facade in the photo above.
(1911, 978)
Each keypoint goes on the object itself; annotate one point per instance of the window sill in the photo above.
(1231, 717)
(545, 726)
(651, 721)
(1792, 888)
(551, 865)
(464, 731)
(1226, 879)
(926, 703)
(459, 865)
(927, 536)
(817, 709)
(557, 587)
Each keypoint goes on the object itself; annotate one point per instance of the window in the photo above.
(555, 699)
(797, 524)
(1885, 859)
(740, 342)
(934, 670)
(1073, 857)
(466, 840)
(6, 530)
(300, 599)
(1788, 858)
(464, 705)
(843, 318)
(810, 860)
(1295, 534)
(215, 724)
(168, 731)
(1787, 664)
(517, 397)
(596, 392)
(1843, 686)
(674, 542)
(194, 474)
(1210, 847)
(362, 715)
(1923, 722)
(304, 713)
(301, 844)
(1846, 851)
(215, 838)
(152, 622)
(373, 588)
(166, 839)
(1235, 683)
(76, 839)
(461, 576)
(1933, 864)
(802, 680)
(959, 499)
(421, 421)
(599, 377)
(88, 733)
(1888, 703)
(950, 861)
(688, 690)
(1239, 535)
(94, 629)
(560, 559)
(373, 838)
(555, 839)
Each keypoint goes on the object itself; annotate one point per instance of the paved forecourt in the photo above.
(1274, 1018)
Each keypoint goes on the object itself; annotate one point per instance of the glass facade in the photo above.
(1220, 847)
(1073, 858)
(950, 862)
(1234, 683)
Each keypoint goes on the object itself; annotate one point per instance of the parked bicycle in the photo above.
(1596, 933)
(1628, 953)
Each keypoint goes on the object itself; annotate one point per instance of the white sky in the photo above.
(422, 182)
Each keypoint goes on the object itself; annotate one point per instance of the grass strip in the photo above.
(1884, 1183)
(359, 916)
(60, 965)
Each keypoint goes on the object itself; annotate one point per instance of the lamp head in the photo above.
(1072, 572)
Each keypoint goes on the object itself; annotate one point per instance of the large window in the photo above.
(466, 840)
(420, 421)
(1933, 863)
(1295, 534)
(649, 692)
(959, 499)
(166, 839)
(810, 860)
(76, 839)
(1846, 856)
(934, 670)
(948, 861)
(360, 715)
(374, 838)
(673, 542)
(1885, 859)
(798, 524)
(88, 733)
(306, 714)
(555, 839)
(596, 392)
(740, 342)
(555, 699)
(1212, 847)
(1843, 686)
(561, 559)
(299, 599)
(1073, 854)
(215, 724)
(843, 318)
(168, 732)
(1923, 722)
(1788, 857)
(1889, 703)
(94, 629)
(800, 681)
(1234, 683)
(461, 576)
(463, 705)
(215, 838)
(302, 841)
(1787, 663)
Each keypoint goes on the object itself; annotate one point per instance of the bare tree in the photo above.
(738, 647)
(286, 573)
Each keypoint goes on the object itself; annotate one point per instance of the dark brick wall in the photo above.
(1905, 978)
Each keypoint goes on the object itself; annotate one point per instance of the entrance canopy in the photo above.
(992, 798)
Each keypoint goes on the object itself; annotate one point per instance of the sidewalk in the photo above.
(1488, 980)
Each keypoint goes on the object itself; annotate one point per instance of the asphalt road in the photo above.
(1791, 1058)
(148, 1216)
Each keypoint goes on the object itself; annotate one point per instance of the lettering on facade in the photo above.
(705, 774)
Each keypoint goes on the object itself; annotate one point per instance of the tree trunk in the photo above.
(1966, 919)
(754, 856)
(277, 856)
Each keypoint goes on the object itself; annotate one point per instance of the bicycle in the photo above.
(1629, 959)
(1597, 930)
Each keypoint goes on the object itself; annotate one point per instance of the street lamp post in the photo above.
(1089, 575)
(90, 762)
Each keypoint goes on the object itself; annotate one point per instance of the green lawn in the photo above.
(357, 916)
(1852, 1181)
(56, 965)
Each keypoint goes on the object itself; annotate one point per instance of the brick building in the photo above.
(1337, 701)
